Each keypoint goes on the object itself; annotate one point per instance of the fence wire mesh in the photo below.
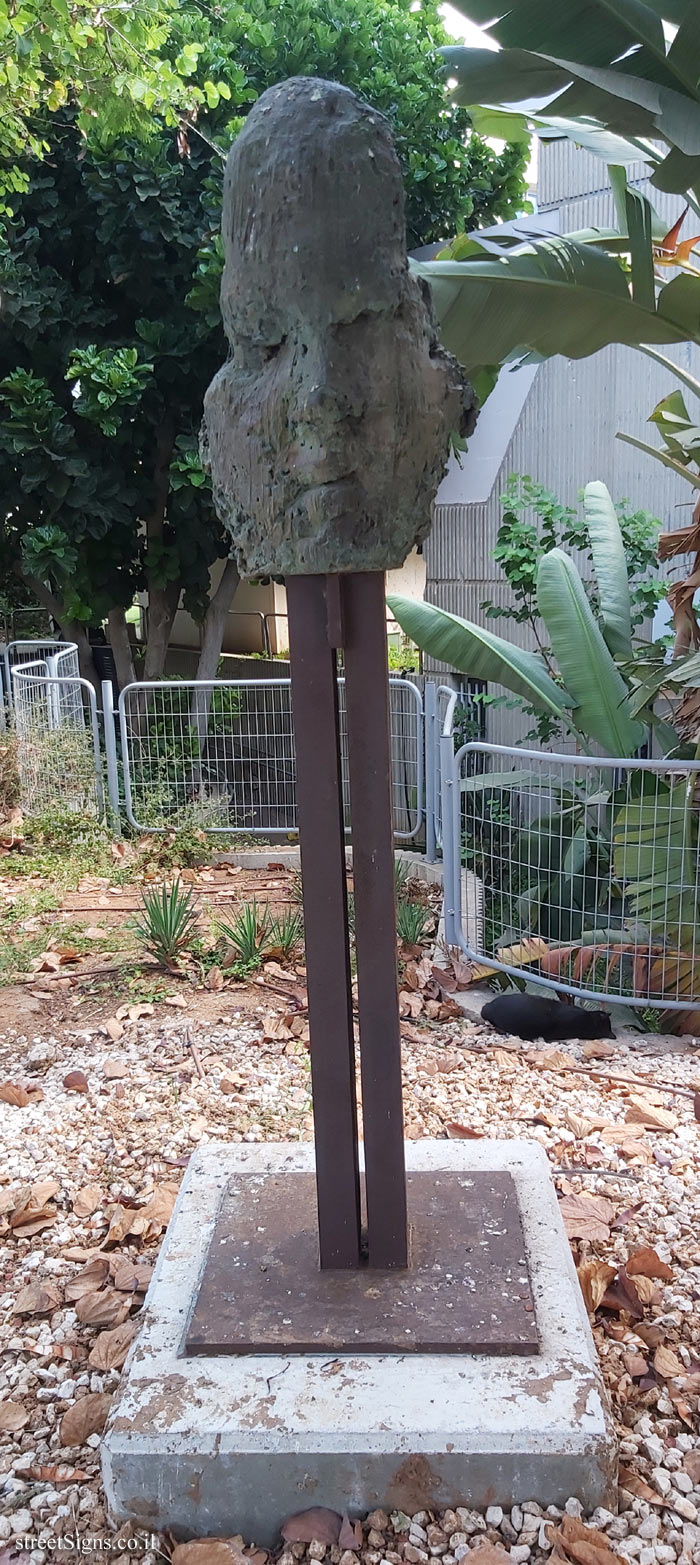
(589, 872)
(225, 751)
(58, 745)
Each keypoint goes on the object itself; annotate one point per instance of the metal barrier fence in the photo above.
(228, 748)
(59, 756)
(589, 871)
(15, 653)
(224, 750)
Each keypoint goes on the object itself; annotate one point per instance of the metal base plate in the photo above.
(466, 1289)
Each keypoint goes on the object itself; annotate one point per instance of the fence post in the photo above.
(451, 867)
(430, 720)
(53, 696)
(111, 752)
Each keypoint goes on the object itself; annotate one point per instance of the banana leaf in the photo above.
(548, 295)
(480, 653)
(655, 853)
(591, 676)
(661, 456)
(610, 565)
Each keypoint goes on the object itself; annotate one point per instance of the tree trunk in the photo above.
(215, 622)
(212, 640)
(72, 630)
(162, 608)
(118, 632)
(162, 601)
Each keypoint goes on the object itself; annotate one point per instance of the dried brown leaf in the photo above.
(108, 1308)
(586, 1216)
(594, 1278)
(597, 1049)
(136, 1012)
(316, 1525)
(645, 1288)
(207, 1551)
(637, 1486)
(87, 1201)
(350, 1535)
(13, 1417)
(37, 1298)
(86, 1417)
(646, 1263)
(57, 1472)
(457, 1132)
(89, 1280)
(115, 1070)
(12, 1092)
(642, 1112)
(667, 1364)
(488, 1554)
(215, 979)
(111, 1347)
(129, 1276)
(75, 1081)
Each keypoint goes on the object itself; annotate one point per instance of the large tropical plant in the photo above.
(581, 683)
(619, 79)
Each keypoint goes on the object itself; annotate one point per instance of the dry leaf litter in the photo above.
(95, 1135)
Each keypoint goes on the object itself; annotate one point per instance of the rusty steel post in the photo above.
(371, 815)
(314, 626)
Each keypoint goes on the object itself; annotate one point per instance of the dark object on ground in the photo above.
(532, 1016)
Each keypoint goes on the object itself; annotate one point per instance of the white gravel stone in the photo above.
(661, 1481)
(494, 1516)
(21, 1522)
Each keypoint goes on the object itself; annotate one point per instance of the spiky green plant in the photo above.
(167, 922)
(249, 934)
(287, 931)
(412, 921)
(402, 873)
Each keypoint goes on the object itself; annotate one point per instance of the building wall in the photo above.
(565, 435)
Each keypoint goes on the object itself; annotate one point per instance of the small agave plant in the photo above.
(167, 922)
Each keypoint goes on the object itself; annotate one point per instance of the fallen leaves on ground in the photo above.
(208, 1551)
(642, 1112)
(145, 1222)
(646, 1263)
(106, 1308)
(13, 1092)
(637, 1486)
(594, 1278)
(13, 1417)
(89, 1280)
(87, 1201)
(86, 1417)
(75, 1081)
(586, 1216)
(37, 1298)
(318, 1524)
(111, 1347)
(586, 1545)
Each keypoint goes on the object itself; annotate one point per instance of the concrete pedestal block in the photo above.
(236, 1443)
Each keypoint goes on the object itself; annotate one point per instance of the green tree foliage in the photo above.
(110, 268)
(109, 61)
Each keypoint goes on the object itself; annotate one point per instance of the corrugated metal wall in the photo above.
(566, 434)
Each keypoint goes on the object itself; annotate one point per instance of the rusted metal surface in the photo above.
(369, 762)
(466, 1289)
(329, 980)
